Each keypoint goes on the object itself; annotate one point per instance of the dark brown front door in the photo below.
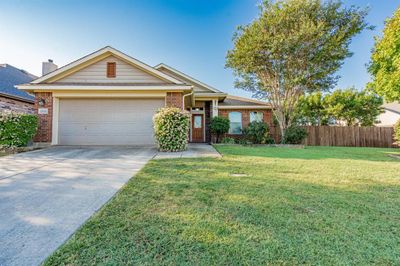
(197, 128)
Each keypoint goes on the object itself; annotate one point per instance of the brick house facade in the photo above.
(44, 100)
(80, 104)
(16, 105)
(174, 99)
(267, 117)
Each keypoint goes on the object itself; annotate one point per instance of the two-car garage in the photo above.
(107, 121)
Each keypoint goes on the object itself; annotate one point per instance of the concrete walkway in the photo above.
(46, 195)
(194, 151)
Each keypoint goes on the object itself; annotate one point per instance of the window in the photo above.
(235, 119)
(197, 123)
(111, 70)
(256, 116)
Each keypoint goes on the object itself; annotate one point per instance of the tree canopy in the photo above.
(385, 61)
(311, 110)
(348, 106)
(293, 47)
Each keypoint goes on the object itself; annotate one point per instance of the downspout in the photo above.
(184, 97)
(183, 109)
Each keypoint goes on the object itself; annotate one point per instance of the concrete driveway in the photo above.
(46, 195)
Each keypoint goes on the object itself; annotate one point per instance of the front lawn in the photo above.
(256, 205)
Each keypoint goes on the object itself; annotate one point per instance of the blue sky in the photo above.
(192, 36)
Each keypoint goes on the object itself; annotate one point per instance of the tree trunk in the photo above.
(281, 117)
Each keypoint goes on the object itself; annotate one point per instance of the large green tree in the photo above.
(293, 47)
(353, 107)
(385, 61)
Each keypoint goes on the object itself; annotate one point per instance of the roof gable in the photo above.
(98, 56)
(198, 85)
(125, 73)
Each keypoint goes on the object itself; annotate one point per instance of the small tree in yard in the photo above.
(354, 107)
(171, 128)
(385, 61)
(219, 126)
(293, 47)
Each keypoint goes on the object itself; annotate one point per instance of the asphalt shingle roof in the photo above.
(11, 76)
(240, 101)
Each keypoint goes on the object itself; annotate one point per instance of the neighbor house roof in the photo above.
(235, 102)
(11, 76)
(394, 107)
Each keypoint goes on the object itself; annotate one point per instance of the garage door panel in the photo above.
(107, 121)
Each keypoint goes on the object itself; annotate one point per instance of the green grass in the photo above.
(319, 205)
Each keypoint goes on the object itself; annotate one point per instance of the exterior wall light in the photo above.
(41, 102)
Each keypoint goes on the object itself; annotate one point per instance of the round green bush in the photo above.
(16, 129)
(219, 126)
(228, 140)
(171, 128)
(294, 135)
(256, 132)
(397, 132)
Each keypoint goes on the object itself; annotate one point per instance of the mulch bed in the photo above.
(6, 151)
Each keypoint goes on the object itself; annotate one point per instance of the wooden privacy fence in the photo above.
(346, 136)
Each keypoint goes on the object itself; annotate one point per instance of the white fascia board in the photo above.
(103, 87)
(244, 107)
(210, 95)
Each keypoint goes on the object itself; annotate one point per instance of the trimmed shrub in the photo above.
(241, 141)
(16, 129)
(294, 135)
(256, 132)
(171, 127)
(397, 132)
(219, 126)
(228, 140)
(269, 140)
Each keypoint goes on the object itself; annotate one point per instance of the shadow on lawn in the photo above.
(313, 152)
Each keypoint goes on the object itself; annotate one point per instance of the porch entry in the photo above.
(198, 128)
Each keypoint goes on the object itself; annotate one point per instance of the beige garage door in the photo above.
(107, 121)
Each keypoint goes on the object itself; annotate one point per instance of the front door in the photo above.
(197, 128)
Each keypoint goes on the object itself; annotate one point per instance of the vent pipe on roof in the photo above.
(48, 67)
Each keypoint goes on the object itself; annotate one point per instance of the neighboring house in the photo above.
(109, 98)
(390, 116)
(11, 98)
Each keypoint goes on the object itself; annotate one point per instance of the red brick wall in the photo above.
(267, 116)
(45, 121)
(14, 105)
(174, 99)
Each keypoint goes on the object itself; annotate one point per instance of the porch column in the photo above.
(214, 111)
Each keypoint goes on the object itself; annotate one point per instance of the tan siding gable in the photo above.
(196, 87)
(97, 72)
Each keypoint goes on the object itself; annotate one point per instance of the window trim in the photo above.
(111, 70)
(230, 122)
